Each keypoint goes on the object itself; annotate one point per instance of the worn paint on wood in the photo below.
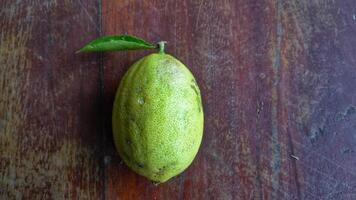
(277, 79)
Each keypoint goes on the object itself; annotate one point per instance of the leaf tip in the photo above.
(84, 49)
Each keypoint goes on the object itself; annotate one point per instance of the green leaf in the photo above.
(116, 43)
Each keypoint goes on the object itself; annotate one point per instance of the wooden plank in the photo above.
(277, 79)
(49, 101)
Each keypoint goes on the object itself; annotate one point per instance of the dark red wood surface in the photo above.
(278, 81)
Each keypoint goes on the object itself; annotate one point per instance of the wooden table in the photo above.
(278, 81)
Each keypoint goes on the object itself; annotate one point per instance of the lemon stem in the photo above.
(161, 46)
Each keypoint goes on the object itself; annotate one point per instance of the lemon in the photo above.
(158, 117)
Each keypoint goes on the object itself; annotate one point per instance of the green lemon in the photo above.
(158, 117)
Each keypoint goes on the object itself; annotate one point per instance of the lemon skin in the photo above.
(158, 117)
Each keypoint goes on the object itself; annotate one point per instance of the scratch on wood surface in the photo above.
(276, 151)
(295, 157)
(200, 5)
(94, 23)
(49, 3)
(322, 173)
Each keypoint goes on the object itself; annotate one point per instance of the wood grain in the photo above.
(277, 79)
(49, 103)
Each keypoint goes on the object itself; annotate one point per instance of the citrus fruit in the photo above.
(158, 117)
